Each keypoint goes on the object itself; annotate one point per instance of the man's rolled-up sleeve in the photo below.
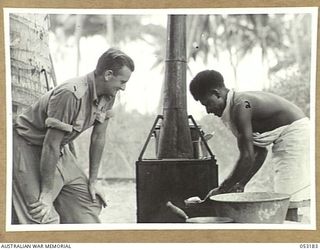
(63, 107)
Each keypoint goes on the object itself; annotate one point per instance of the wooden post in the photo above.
(175, 139)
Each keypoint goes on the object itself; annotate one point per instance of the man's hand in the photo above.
(212, 192)
(41, 209)
(94, 190)
(97, 142)
(237, 188)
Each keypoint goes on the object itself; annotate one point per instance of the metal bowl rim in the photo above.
(216, 219)
(281, 197)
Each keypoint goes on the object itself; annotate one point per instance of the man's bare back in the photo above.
(269, 111)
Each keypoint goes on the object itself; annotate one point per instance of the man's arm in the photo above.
(242, 114)
(251, 157)
(98, 139)
(250, 160)
(49, 157)
(259, 158)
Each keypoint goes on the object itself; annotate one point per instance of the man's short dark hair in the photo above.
(204, 81)
(113, 59)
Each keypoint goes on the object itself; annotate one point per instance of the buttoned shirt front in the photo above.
(71, 107)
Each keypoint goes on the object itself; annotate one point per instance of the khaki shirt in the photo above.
(71, 107)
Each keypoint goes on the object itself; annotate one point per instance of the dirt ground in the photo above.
(121, 200)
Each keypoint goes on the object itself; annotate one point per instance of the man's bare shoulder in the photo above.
(255, 95)
(261, 99)
(268, 110)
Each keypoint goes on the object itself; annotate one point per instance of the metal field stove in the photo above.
(173, 179)
(184, 165)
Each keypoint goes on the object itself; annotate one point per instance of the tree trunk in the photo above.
(78, 34)
(29, 57)
(194, 19)
(232, 56)
(110, 30)
(261, 22)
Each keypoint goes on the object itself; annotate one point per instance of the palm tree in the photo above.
(31, 67)
(284, 38)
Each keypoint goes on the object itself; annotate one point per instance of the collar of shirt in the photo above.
(92, 86)
(94, 97)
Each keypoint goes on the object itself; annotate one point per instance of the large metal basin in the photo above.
(252, 207)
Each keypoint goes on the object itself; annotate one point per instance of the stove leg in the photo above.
(292, 214)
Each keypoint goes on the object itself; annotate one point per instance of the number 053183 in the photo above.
(309, 245)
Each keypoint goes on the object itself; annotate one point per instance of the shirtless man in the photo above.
(259, 119)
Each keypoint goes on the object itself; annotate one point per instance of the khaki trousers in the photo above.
(72, 202)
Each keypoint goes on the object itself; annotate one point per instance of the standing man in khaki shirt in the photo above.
(48, 184)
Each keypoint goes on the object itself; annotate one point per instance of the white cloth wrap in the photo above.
(288, 161)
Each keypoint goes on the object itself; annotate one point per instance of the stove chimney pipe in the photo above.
(175, 138)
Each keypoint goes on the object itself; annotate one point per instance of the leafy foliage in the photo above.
(124, 27)
(294, 87)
